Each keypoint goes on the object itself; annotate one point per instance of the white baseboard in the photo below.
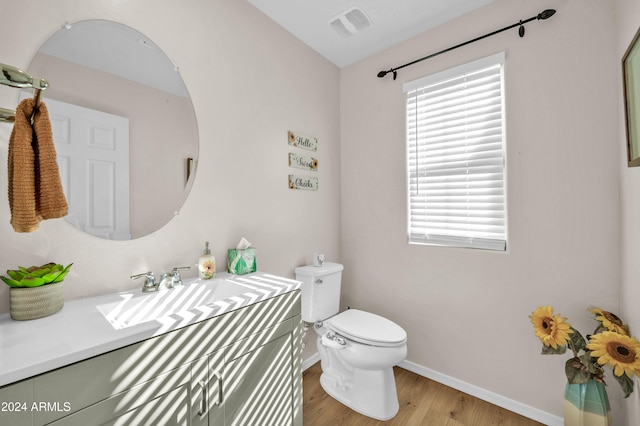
(493, 398)
(310, 361)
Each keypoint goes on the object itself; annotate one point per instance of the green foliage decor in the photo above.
(36, 276)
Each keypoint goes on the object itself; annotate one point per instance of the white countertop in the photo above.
(80, 330)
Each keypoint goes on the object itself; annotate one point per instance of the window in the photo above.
(455, 152)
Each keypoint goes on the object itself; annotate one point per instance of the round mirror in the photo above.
(124, 128)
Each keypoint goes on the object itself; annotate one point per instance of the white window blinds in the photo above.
(455, 149)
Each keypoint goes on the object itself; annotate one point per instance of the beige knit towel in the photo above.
(35, 189)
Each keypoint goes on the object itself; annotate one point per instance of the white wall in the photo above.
(628, 18)
(251, 82)
(466, 311)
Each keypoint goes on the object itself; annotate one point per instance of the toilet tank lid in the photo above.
(318, 271)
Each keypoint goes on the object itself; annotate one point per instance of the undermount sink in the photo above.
(192, 298)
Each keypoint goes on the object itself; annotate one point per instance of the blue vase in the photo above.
(586, 404)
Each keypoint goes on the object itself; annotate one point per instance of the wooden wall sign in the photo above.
(303, 162)
(307, 183)
(302, 141)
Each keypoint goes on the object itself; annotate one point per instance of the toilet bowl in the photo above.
(357, 367)
(357, 349)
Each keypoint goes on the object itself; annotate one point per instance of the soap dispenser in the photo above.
(207, 264)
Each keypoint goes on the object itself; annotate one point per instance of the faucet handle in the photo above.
(149, 276)
(149, 280)
(177, 278)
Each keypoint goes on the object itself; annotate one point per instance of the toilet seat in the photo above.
(367, 328)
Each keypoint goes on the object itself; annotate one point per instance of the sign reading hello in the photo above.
(302, 141)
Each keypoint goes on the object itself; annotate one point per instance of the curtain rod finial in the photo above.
(383, 73)
(546, 14)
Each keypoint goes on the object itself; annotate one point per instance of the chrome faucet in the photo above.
(167, 280)
(149, 281)
(175, 273)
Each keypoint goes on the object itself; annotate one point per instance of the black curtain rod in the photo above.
(545, 14)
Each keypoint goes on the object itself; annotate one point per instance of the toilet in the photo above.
(357, 349)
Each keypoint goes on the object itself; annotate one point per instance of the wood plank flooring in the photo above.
(422, 402)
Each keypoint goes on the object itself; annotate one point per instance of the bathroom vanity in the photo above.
(236, 361)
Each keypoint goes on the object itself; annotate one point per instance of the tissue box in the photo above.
(241, 262)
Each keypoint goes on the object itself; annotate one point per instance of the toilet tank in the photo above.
(320, 290)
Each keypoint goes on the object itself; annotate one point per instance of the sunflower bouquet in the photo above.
(609, 345)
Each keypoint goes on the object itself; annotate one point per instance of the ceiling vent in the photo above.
(350, 22)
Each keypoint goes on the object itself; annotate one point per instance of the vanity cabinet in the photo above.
(238, 368)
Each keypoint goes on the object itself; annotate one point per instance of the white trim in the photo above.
(485, 395)
(310, 361)
(496, 58)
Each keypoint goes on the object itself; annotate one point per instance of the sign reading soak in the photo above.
(308, 183)
(304, 142)
(303, 162)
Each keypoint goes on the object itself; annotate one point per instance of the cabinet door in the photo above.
(169, 400)
(16, 404)
(257, 386)
(170, 409)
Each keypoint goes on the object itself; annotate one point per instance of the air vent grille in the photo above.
(350, 22)
(339, 26)
(358, 19)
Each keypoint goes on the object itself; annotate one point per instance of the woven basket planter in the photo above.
(36, 302)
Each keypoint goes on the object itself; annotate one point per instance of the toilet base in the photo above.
(369, 392)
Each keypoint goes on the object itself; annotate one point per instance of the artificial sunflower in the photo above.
(609, 321)
(618, 351)
(604, 347)
(552, 330)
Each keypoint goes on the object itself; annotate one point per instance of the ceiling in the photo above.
(116, 49)
(373, 26)
(377, 25)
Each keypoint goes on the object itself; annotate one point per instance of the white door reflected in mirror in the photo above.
(92, 149)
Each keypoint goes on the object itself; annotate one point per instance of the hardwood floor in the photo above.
(422, 402)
